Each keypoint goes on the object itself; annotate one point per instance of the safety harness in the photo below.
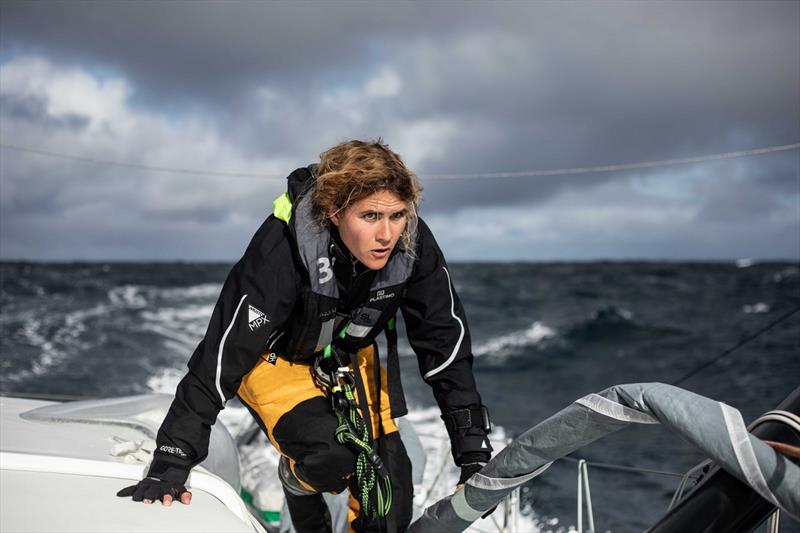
(341, 383)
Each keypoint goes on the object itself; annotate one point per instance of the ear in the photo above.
(335, 219)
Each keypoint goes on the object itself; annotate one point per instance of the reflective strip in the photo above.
(743, 449)
(479, 481)
(460, 337)
(615, 410)
(355, 330)
(276, 340)
(221, 346)
(325, 334)
(462, 508)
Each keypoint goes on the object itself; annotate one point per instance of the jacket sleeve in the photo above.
(437, 331)
(255, 301)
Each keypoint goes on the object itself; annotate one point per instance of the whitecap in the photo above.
(756, 308)
(165, 380)
(745, 263)
(183, 339)
(129, 296)
(205, 291)
(531, 336)
(66, 340)
(180, 315)
(185, 325)
(786, 273)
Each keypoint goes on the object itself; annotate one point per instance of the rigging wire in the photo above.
(738, 345)
(137, 166)
(488, 175)
(625, 468)
(625, 166)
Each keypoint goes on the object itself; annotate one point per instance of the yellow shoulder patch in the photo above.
(282, 207)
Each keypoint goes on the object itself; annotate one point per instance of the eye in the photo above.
(398, 215)
(370, 216)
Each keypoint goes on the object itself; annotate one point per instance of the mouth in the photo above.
(380, 253)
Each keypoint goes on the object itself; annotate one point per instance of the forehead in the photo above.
(380, 201)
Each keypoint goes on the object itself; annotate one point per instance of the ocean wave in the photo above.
(49, 354)
(786, 274)
(128, 296)
(606, 322)
(57, 338)
(504, 344)
(141, 296)
(204, 291)
(183, 339)
(165, 380)
(184, 325)
(180, 315)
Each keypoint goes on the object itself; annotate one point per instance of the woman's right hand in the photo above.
(151, 489)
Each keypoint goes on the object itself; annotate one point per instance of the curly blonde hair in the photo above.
(352, 170)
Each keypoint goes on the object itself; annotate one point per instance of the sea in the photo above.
(543, 335)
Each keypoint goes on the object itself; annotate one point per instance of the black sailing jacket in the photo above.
(267, 293)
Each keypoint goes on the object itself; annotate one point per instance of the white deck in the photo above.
(61, 476)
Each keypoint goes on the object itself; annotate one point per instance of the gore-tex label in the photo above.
(172, 450)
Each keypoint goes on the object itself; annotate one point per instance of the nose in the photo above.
(383, 232)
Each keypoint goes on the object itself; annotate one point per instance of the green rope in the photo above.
(374, 495)
(372, 481)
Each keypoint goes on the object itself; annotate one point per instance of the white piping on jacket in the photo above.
(221, 346)
(460, 337)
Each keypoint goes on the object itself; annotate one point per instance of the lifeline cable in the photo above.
(736, 346)
(518, 174)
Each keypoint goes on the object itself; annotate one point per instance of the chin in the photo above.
(375, 264)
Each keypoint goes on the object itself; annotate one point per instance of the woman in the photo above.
(322, 277)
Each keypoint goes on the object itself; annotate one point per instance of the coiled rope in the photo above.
(373, 483)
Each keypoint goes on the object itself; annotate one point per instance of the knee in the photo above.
(328, 470)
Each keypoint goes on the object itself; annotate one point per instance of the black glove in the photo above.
(151, 488)
(467, 470)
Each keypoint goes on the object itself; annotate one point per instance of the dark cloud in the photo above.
(30, 109)
(487, 86)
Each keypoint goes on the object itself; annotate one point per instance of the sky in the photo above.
(256, 89)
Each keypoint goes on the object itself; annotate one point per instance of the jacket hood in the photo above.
(301, 181)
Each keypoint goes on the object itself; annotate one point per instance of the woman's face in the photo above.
(371, 227)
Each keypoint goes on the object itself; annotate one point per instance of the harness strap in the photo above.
(363, 405)
(391, 519)
(394, 384)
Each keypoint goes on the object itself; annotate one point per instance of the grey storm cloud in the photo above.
(509, 86)
(25, 108)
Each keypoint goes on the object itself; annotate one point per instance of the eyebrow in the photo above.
(378, 211)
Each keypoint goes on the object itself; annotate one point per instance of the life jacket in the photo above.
(317, 323)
